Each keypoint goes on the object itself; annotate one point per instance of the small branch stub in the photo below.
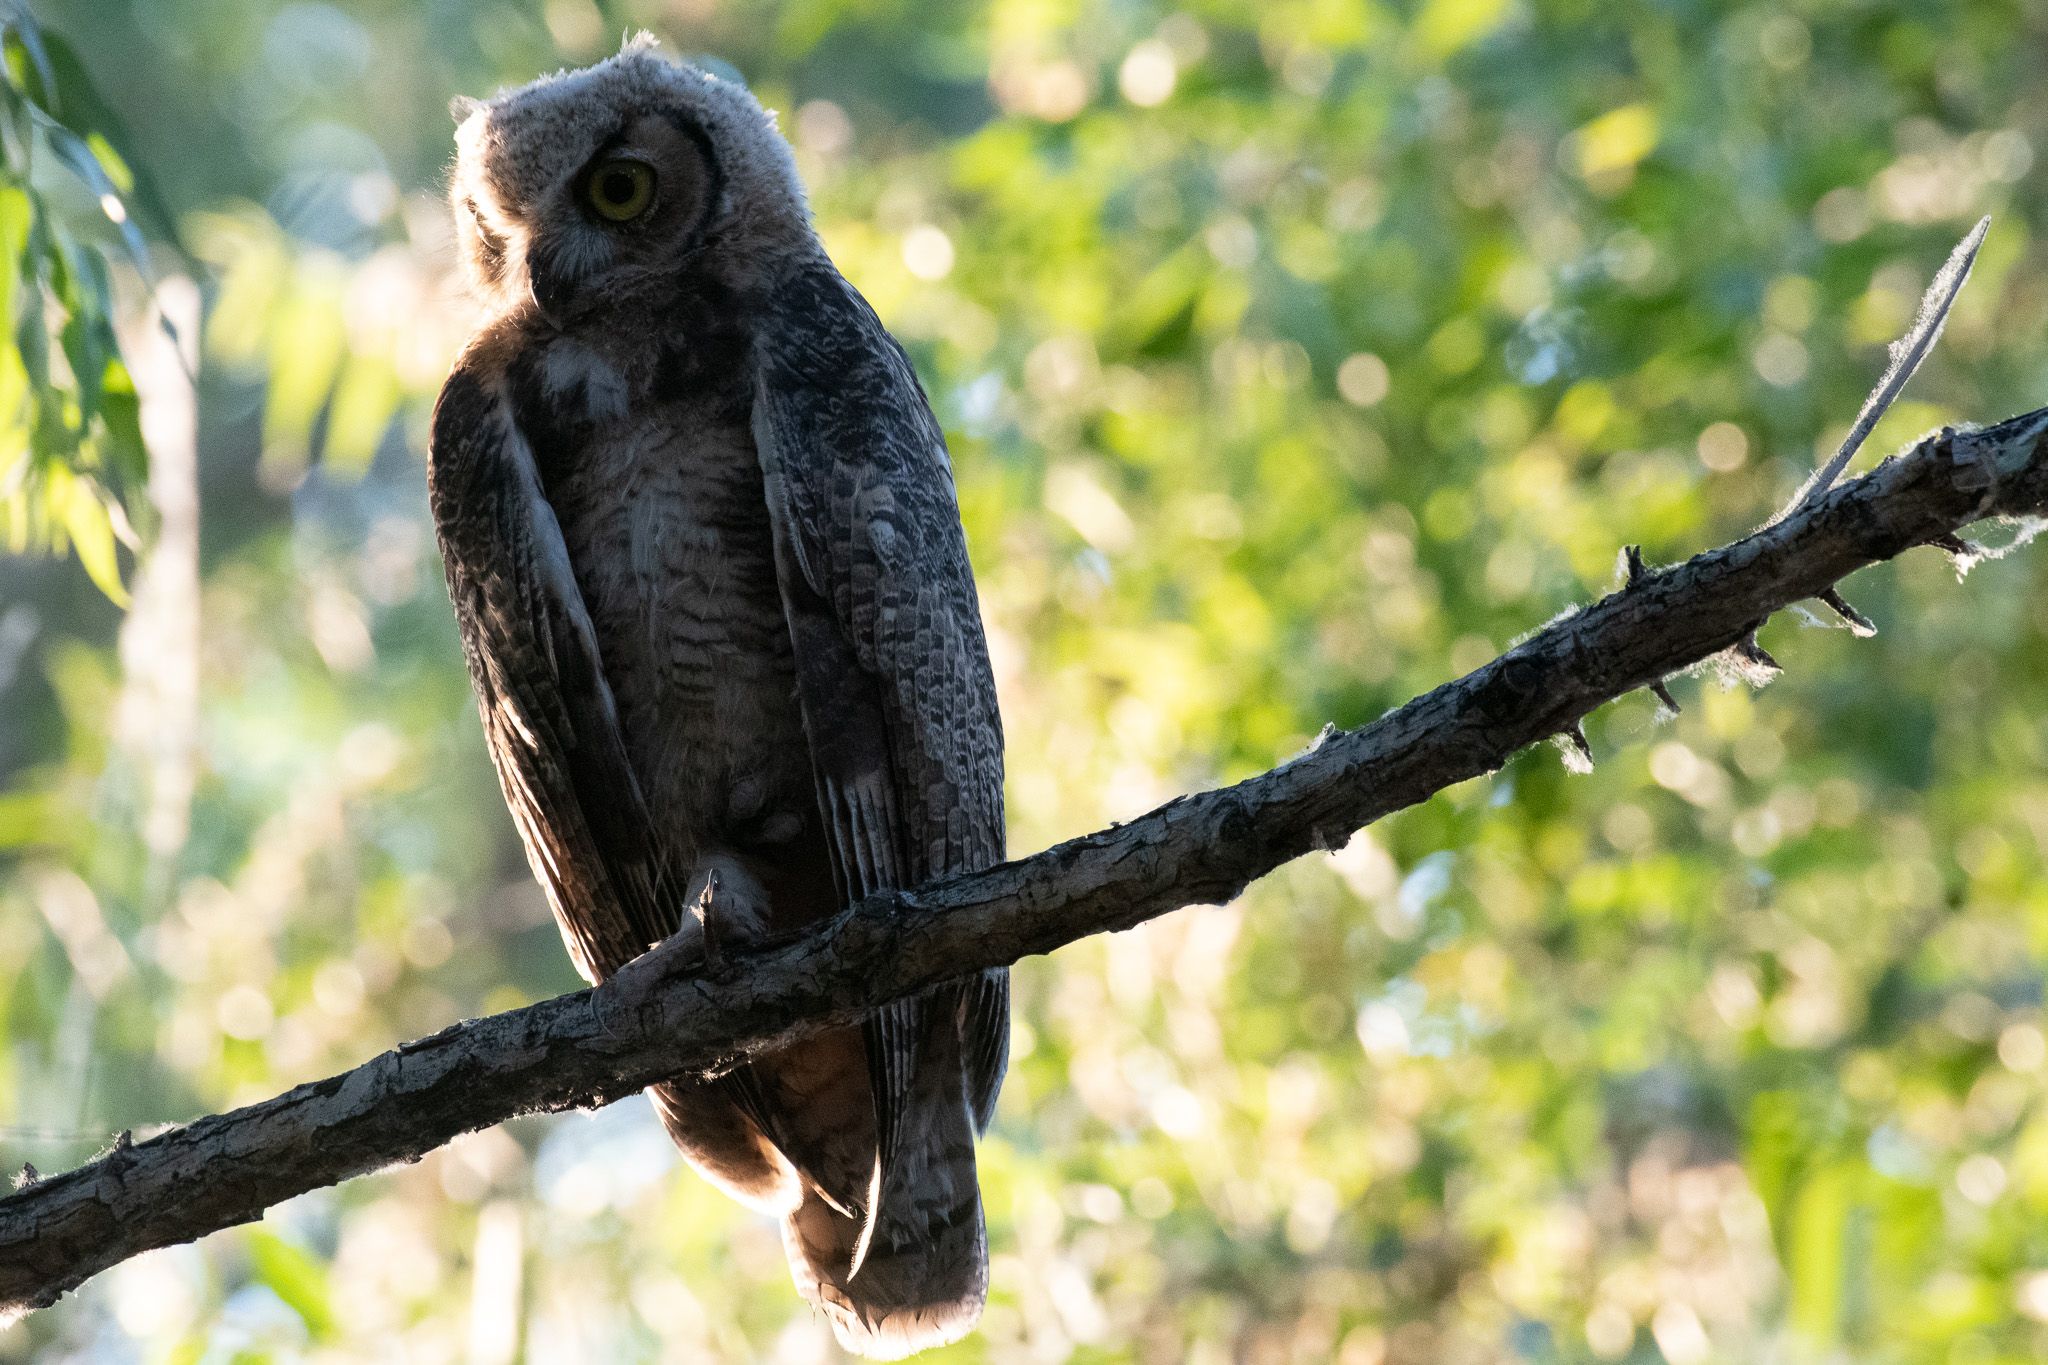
(1578, 754)
(1953, 545)
(1750, 652)
(1859, 624)
(1632, 563)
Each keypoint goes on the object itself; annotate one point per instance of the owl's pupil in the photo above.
(618, 187)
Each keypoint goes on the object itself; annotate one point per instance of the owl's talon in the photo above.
(701, 909)
(731, 905)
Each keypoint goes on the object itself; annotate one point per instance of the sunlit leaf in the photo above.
(78, 157)
(24, 819)
(366, 399)
(1617, 140)
(295, 1277)
(1442, 27)
(121, 415)
(306, 347)
(22, 29)
(91, 530)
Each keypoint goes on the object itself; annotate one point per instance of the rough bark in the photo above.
(674, 1011)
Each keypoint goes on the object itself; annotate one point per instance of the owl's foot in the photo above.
(730, 904)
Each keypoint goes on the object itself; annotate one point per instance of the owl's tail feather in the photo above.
(914, 1274)
(922, 1281)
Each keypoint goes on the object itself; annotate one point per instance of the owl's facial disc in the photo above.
(620, 186)
(638, 207)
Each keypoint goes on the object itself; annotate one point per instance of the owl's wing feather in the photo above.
(547, 708)
(985, 1027)
(893, 675)
(553, 730)
(846, 725)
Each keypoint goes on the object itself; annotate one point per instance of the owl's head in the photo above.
(604, 183)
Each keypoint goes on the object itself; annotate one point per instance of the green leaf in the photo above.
(295, 1276)
(14, 397)
(121, 415)
(17, 132)
(81, 106)
(91, 528)
(1816, 1263)
(1445, 26)
(307, 344)
(25, 819)
(86, 336)
(365, 400)
(16, 214)
(31, 332)
(26, 37)
(77, 156)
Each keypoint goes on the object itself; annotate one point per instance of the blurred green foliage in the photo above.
(1294, 358)
(71, 457)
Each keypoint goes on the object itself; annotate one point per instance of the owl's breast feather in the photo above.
(664, 515)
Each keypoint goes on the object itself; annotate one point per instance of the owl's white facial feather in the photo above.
(726, 194)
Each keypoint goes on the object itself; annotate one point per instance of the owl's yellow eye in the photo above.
(621, 189)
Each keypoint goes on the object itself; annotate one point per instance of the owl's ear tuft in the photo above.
(462, 106)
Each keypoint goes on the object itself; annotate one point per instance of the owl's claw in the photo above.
(730, 904)
(700, 909)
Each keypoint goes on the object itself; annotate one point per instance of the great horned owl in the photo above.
(701, 536)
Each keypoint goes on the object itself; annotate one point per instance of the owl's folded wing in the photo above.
(893, 674)
(547, 709)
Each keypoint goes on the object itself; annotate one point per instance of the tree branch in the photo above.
(672, 1011)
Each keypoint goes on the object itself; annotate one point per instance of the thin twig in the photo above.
(1906, 354)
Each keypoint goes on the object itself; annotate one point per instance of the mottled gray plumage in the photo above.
(703, 545)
